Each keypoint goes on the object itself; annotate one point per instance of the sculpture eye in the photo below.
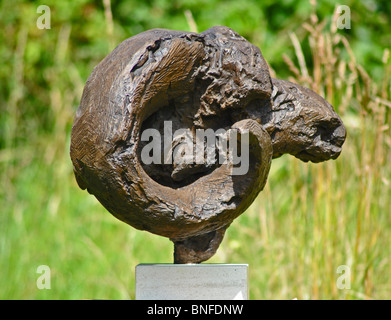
(289, 106)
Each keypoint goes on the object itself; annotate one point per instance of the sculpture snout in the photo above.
(337, 139)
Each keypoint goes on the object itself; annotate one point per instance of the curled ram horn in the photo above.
(169, 86)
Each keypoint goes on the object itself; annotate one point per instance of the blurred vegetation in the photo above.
(309, 220)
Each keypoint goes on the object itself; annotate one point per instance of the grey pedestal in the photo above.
(191, 282)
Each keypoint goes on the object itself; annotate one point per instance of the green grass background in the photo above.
(309, 220)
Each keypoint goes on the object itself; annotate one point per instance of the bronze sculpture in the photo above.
(213, 80)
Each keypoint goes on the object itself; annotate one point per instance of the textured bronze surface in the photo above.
(215, 79)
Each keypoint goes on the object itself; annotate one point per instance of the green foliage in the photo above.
(309, 219)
